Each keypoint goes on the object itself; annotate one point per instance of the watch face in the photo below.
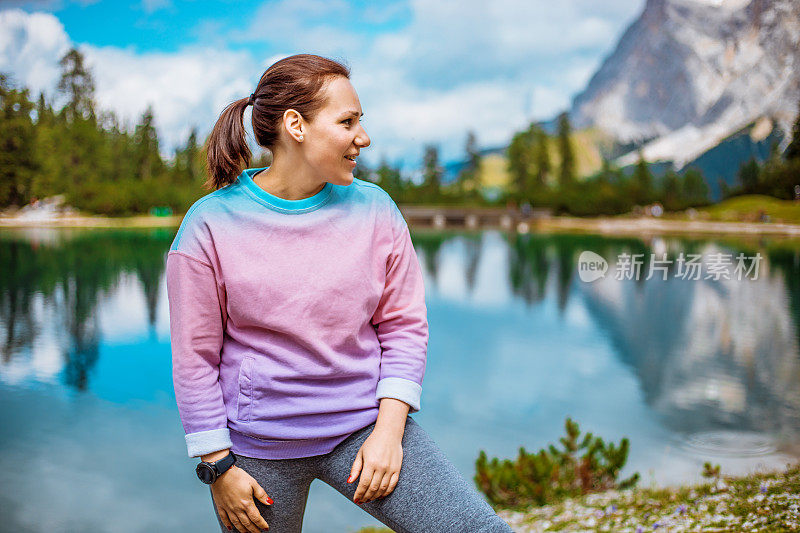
(205, 473)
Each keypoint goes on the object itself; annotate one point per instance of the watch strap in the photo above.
(209, 472)
(222, 465)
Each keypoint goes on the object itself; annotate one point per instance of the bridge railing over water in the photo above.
(470, 217)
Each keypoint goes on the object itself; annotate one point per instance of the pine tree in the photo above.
(642, 182)
(77, 84)
(671, 191)
(541, 158)
(432, 172)
(695, 189)
(389, 179)
(44, 112)
(17, 144)
(468, 177)
(792, 152)
(520, 163)
(193, 158)
(188, 164)
(749, 176)
(566, 173)
(147, 158)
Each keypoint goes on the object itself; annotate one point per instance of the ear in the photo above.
(294, 124)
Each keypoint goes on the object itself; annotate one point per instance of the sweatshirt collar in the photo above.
(281, 204)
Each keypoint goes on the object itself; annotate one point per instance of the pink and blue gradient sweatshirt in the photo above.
(291, 319)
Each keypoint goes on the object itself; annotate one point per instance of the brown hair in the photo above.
(294, 82)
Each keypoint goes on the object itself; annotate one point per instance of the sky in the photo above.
(426, 71)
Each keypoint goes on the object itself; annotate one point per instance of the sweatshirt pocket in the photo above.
(244, 400)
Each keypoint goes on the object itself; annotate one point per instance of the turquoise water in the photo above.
(688, 370)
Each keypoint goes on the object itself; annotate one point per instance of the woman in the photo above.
(298, 323)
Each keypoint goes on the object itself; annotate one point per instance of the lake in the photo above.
(704, 367)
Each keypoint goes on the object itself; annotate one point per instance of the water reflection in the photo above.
(52, 282)
(708, 353)
(721, 353)
(687, 369)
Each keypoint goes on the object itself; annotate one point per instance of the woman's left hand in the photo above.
(378, 460)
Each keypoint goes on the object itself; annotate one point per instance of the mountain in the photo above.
(688, 75)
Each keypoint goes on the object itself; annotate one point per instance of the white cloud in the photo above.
(452, 66)
(311, 26)
(30, 47)
(187, 89)
(487, 67)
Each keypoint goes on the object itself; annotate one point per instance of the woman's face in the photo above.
(336, 133)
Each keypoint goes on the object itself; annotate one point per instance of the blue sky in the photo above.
(426, 71)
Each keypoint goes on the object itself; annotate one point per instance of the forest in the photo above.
(103, 167)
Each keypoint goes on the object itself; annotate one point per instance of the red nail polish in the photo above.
(270, 500)
(358, 502)
(350, 479)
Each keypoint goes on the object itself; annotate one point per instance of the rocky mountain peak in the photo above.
(688, 73)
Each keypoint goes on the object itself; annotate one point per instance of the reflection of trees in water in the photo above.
(787, 262)
(70, 275)
(533, 256)
(16, 295)
(528, 266)
(430, 243)
(687, 341)
(82, 353)
(473, 244)
(149, 273)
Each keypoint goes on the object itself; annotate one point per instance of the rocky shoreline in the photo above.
(601, 225)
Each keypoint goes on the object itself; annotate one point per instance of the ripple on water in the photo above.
(731, 443)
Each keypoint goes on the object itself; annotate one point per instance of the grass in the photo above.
(766, 501)
(747, 209)
(762, 501)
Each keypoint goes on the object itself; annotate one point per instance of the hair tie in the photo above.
(252, 99)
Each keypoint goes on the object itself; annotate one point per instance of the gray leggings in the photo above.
(430, 496)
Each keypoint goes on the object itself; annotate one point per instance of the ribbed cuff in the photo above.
(203, 442)
(401, 389)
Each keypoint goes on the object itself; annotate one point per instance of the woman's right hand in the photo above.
(233, 494)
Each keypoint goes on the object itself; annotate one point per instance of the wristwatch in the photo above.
(209, 472)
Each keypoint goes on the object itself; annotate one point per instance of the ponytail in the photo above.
(294, 82)
(227, 152)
